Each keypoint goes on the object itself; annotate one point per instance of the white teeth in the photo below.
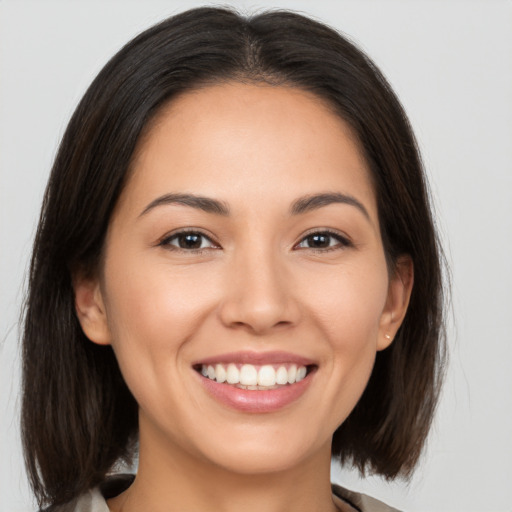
(267, 376)
(233, 375)
(220, 373)
(248, 375)
(292, 374)
(255, 377)
(301, 373)
(282, 375)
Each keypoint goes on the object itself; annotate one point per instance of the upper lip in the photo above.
(256, 358)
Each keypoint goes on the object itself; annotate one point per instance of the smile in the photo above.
(254, 377)
(256, 382)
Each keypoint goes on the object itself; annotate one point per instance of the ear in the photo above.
(90, 309)
(399, 293)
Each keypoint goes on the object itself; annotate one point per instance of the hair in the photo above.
(78, 417)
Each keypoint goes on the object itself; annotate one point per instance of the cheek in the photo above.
(346, 307)
(152, 297)
(348, 302)
(152, 313)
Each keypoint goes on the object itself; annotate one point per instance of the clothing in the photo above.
(95, 499)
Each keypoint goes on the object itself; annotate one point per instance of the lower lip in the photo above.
(256, 401)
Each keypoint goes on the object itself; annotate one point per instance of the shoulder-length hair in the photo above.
(78, 416)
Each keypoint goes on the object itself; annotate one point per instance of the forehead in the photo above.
(256, 142)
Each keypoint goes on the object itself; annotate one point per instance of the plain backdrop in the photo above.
(450, 63)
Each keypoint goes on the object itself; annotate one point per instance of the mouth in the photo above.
(255, 377)
(256, 382)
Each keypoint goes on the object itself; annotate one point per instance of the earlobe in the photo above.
(399, 294)
(90, 309)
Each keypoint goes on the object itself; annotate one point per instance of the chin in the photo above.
(259, 453)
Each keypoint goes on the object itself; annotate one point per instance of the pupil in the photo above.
(319, 240)
(190, 241)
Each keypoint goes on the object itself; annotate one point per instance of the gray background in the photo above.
(451, 64)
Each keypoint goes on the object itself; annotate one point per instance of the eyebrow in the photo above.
(299, 206)
(313, 202)
(206, 204)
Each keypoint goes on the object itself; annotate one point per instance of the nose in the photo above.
(259, 295)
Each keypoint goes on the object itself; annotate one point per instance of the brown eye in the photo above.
(323, 240)
(318, 241)
(188, 241)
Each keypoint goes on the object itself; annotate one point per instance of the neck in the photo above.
(172, 479)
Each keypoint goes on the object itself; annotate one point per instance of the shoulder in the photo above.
(95, 500)
(91, 501)
(361, 502)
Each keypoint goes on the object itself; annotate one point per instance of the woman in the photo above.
(235, 277)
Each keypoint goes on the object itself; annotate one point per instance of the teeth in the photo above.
(282, 375)
(301, 373)
(220, 373)
(292, 374)
(233, 375)
(248, 376)
(267, 376)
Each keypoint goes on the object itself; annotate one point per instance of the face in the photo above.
(244, 287)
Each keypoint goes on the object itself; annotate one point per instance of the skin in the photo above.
(257, 284)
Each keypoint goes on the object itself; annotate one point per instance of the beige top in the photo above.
(95, 501)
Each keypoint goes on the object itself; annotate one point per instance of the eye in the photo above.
(323, 240)
(188, 241)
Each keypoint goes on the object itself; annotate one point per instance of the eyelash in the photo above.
(166, 241)
(343, 242)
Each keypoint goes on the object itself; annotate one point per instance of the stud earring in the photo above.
(387, 336)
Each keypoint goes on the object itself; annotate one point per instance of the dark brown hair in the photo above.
(78, 417)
